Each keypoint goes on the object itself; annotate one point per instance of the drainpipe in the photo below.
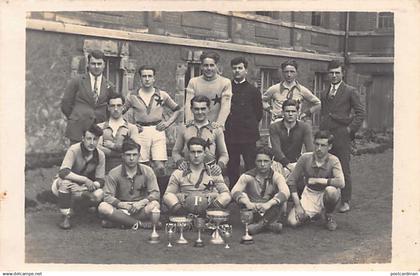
(346, 43)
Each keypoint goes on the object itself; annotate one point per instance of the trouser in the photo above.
(271, 215)
(248, 151)
(341, 148)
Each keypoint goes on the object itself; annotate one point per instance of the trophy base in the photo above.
(182, 242)
(247, 241)
(198, 244)
(154, 241)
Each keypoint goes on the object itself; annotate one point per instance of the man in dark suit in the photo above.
(242, 123)
(337, 104)
(85, 98)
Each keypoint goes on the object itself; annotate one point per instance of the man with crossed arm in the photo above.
(263, 191)
(131, 191)
(323, 177)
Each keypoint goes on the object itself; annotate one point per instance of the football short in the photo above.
(153, 144)
(312, 201)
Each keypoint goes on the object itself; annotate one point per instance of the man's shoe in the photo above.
(275, 227)
(330, 223)
(256, 228)
(66, 223)
(345, 207)
(107, 224)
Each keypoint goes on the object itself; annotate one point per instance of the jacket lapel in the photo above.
(88, 95)
(103, 93)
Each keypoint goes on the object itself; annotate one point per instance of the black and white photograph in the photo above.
(206, 136)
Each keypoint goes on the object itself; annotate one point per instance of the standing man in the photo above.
(147, 104)
(131, 191)
(242, 131)
(338, 103)
(85, 98)
(263, 191)
(216, 87)
(323, 178)
(197, 181)
(216, 154)
(115, 130)
(288, 135)
(81, 175)
(290, 88)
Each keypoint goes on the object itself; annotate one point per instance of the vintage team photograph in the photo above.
(209, 137)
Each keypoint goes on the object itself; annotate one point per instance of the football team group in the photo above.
(115, 165)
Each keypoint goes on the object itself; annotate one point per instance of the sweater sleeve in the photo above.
(225, 103)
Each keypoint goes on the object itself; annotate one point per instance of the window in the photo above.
(319, 85)
(316, 19)
(274, 15)
(385, 20)
(268, 77)
(113, 72)
(192, 71)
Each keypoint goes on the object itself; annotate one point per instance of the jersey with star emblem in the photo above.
(215, 90)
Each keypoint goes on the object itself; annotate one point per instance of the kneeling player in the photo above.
(263, 191)
(131, 191)
(197, 181)
(81, 175)
(323, 178)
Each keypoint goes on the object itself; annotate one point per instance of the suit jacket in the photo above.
(337, 112)
(79, 107)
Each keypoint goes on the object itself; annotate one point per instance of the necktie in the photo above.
(95, 89)
(332, 92)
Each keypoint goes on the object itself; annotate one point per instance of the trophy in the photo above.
(154, 237)
(217, 216)
(200, 224)
(170, 232)
(227, 234)
(246, 218)
(180, 222)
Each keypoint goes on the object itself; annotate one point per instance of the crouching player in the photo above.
(81, 175)
(263, 191)
(196, 181)
(131, 191)
(323, 178)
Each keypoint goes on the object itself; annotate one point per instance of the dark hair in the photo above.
(290, 62)
(239, 60)
(335, 64)
(116, 96)
(129, 144)
(196, 141)
(200, 99)
(98, 54)
(290, 102)
(265, 150)
(94, 129)
(213, 55)
(324, 134)
(147, 67)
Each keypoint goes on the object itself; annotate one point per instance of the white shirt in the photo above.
(238, 82)
(334, 86)
(98, 82)
(146, 97)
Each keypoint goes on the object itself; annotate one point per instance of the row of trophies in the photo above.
(221, 234)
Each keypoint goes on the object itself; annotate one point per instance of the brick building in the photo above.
(57, 44)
